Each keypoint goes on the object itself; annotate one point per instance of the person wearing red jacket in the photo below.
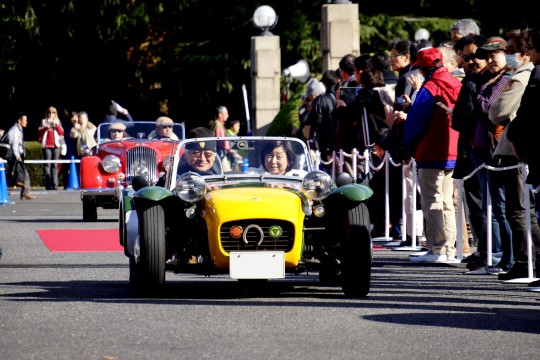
(51, 136)
(432, 142)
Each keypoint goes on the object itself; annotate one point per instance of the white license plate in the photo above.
(257, 265)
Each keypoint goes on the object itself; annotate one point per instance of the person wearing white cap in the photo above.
(164, 129)
(117, 131)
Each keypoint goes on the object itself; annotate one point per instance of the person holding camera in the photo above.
(51, 136)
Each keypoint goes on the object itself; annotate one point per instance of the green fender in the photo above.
(153, 193)
(354, 192)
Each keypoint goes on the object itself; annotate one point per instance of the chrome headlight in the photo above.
(190, 187)
(110, 163)
(317, 185)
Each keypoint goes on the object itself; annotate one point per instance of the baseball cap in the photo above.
(493, 44)
(429, 57)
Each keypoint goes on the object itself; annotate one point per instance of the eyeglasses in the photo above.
(469, 57)
(116, 131)
(197, 154)
(166, 126)
(393, 56)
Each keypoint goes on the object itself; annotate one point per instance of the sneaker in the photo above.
(495, 270)
(474, 257)
(480, 271)
(517, 272)
(429, 258)
(419, 253)
(452, 260)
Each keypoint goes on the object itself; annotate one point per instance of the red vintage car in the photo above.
(110, 166)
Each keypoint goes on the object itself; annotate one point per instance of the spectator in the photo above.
(450, 62)
(49, 134)
(484, 140)
(464, 115)
(223, 146)
(381, 61)
(117, 113)
(523, 134)
(15, 137)
(512, 181)
(426, 124)
(346, 71)
(463, 28)
(164, 129)
(314, 88)
(233, 127)
(83, 133)
(319, 121)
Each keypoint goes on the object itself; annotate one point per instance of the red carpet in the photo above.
(81, 240)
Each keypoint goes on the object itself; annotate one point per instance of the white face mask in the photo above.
(512, 61)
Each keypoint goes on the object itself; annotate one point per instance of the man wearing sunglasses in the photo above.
(164, 129)
(200, 156)
(117, 131)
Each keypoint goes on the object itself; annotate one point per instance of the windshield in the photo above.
(138, 130)
(244, 157)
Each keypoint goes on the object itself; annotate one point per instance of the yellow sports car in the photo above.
(259, 211)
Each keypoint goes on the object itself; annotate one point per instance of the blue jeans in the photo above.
(500, 229)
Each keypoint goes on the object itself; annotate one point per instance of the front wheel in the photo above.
(357, 252)
(152, 246)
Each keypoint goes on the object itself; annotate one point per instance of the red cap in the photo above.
(428, 57)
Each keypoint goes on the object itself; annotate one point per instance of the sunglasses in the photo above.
(116, 131)
(469, 57)
(198, 154)
(166, 126)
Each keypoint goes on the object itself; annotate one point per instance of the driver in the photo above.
(116, 131)
(200, 157)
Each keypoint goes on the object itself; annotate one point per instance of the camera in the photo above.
(400, 100)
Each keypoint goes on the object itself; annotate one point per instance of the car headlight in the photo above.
(111, 164)
(190, 187)
(317, 185)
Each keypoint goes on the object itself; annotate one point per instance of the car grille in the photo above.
(142, 161)
(258, 236)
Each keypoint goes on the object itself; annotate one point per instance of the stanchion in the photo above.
(4, 196)
(73, 180)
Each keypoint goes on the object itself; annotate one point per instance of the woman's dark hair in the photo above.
(286, 145)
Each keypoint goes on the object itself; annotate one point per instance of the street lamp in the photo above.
(265, 18)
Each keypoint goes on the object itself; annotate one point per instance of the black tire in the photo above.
(152, 242)
(121, 223)
(89, 210)
(356, 253)
(135, 275)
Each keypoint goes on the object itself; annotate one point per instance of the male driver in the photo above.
(200, 156)
(164, 129)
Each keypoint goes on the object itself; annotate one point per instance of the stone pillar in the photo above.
(340, 33)
(265, 81)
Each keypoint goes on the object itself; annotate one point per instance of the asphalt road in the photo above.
(80, 306)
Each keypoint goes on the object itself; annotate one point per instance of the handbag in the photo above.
(18, 175)
(63, 146)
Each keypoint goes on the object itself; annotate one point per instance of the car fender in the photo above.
(152, 193)
(352, 192)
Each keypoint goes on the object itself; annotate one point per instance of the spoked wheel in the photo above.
(89, 210)
(151, 268)
(357, 252)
